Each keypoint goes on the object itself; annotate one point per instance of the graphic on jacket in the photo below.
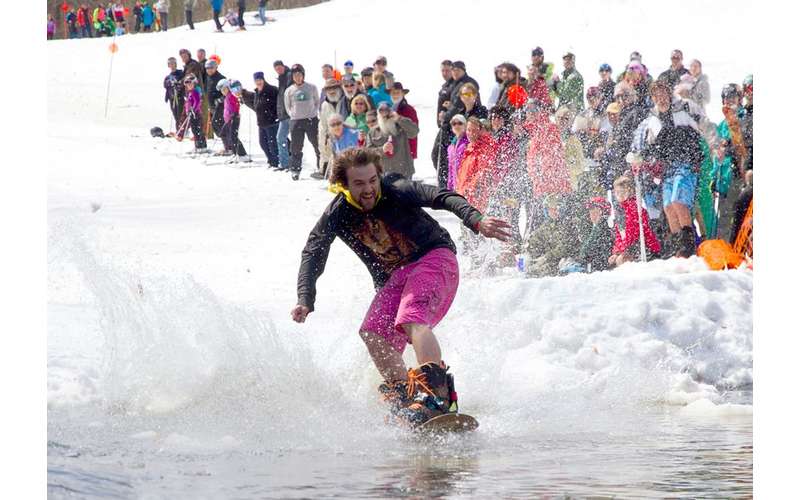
(390, 247)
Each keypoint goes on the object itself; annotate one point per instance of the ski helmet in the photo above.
(235, 86)
(157, 132)
(223, 84)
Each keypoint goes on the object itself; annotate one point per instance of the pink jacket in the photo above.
(455, 153)
(231, 108)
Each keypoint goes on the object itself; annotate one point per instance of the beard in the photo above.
(387, 125)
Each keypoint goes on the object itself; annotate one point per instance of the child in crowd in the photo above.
(231, 90)
(193, 112)
(626, 222)
(596, 248)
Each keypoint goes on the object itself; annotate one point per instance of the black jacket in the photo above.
(395, 233)
(213, 95)
(673, 77)
(284, 81)
(444, 95)
(264, 103)
(173, 87)
(675, 144)
(456, 91)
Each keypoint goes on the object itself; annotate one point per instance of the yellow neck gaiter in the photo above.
(338, 188)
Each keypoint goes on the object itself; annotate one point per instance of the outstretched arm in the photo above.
(312, 265)
(425, 195)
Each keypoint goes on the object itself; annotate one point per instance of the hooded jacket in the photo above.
(394, 233)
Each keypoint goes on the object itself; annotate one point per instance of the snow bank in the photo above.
(173, 296)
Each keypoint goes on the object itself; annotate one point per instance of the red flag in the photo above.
(64, 7)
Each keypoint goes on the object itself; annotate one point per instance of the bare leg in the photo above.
(387, 360)
(424, 342)
(683, 214)
(672, 218)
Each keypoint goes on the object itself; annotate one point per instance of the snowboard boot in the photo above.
(687, 242)
(395, 395)
(431, 392)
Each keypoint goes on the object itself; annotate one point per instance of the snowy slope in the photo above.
(170, 281)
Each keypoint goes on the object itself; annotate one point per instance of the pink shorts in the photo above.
(420, 292)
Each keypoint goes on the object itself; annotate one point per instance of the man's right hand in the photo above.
(299, 313)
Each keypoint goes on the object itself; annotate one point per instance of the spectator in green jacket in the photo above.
(569, 87)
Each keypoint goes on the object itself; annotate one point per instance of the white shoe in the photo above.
(200, 151)
(245, 159)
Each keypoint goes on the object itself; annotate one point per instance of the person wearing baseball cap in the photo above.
(596, 248)
(569, 86)
(676, 70)
(379, 66)
(540, 69)
(606, 86)
(348, 70)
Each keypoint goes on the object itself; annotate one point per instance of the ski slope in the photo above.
(170, 281)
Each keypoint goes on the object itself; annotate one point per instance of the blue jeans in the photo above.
(267, 138)
(283, 143)
(262, 14)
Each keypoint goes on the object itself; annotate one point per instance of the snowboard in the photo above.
(455, 423)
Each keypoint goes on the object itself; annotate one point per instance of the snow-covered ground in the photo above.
(170, 281)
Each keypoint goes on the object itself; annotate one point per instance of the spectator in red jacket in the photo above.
(546, 165)
(473, 180)
(626, 226)
(403, 108)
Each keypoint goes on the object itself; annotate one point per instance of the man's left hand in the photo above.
(491, 227)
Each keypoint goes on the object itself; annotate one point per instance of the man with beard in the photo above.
(390, 138)
(403, 108)
(350, 90)
(413, 265)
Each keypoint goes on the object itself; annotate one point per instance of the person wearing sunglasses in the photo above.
(605, 86)
(359, 109)
(341, 137)
(455, 151)
(676, 70)
(333, 103)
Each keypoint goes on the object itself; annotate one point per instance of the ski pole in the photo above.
(642, 247)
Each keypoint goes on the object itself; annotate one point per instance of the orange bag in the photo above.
(719, 255)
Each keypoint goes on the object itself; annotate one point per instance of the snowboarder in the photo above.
(413, 264)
